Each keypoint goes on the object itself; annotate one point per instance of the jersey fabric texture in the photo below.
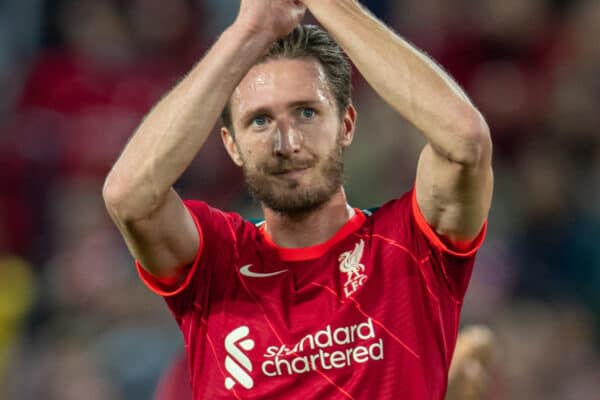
(372, 313)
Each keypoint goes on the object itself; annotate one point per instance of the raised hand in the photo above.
(274, 18)
(469, 377)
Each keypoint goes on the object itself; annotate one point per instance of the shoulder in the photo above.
(392, 221)
(403, 220)
(393, 213)
(214, 220)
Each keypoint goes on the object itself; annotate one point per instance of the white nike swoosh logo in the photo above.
(245, 270)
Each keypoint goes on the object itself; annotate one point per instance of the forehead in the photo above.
(279, 82)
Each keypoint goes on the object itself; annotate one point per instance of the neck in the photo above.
(312, 228)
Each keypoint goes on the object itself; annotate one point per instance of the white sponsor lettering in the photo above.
(326, 349)
(326, 338)
(323, 360)
(283, 360)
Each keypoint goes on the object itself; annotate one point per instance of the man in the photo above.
(321, 301)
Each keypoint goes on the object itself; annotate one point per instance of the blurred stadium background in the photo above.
(76, 77)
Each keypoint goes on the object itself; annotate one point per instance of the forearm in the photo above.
(406, 79)
(167, 140)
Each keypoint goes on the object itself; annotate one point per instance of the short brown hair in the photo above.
(310, 41)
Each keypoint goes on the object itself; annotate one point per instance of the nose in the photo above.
(287, 140)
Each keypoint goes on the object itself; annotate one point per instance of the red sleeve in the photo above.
(446, 269)
(189, 290)
(173, 285)
(467, 249)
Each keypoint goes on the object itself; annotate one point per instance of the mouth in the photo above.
(291, 173)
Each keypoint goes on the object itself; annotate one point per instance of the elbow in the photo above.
(112, 194)
(128, 200)
(115, 194)
(474, 143)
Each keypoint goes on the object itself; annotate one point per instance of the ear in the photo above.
(348, 125)
(231, 147)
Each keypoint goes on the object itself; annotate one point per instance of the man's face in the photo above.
(289, 136)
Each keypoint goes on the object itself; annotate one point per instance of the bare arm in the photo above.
(454, 177)
(138, 191)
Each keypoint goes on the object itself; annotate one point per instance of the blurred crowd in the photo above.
(77, 76)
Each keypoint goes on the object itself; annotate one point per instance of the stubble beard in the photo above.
(289, 197)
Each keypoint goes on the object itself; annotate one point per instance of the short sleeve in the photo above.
(456, 266)
(174, 285)
(470, 249)
(445, 268)
(189, 288)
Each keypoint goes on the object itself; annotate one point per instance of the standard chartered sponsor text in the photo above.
(314, 351)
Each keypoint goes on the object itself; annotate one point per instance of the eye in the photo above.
(259, 121)
(308, 113)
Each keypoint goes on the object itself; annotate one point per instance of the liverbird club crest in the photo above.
(350, 264)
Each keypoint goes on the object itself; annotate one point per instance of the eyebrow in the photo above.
(266, 110)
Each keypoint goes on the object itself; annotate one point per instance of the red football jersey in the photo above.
(372, 313)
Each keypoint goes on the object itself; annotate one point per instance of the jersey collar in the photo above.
(316, 251)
